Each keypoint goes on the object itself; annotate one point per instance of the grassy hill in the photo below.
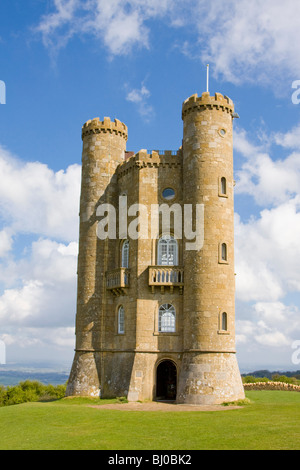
(270, 422)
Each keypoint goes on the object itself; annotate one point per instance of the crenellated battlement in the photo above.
(155, 159)
(95, 126)
(205, 101)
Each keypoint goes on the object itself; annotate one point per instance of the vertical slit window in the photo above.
(125, 254)
(224, 252)
(223, 186)
(121, 320)
(224, 321)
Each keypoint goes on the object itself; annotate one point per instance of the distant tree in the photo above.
(249, 379)
(2, 394)
(283, 378)
(30, 391)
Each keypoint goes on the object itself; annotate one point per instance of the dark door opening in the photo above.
(166, 381)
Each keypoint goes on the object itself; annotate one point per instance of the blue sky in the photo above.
(66, 61)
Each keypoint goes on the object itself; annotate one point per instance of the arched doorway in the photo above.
(166, 381)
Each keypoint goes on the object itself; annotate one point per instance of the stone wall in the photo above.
(272, 386)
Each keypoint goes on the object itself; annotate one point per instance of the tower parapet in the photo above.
(206, 101)
(95, 126)
(143, 159)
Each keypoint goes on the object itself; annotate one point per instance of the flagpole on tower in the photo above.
(207, 77)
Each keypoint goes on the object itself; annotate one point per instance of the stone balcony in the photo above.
(166, 276)
(117, 280)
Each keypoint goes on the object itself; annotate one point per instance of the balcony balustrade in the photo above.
(166, 276)
(117, 280)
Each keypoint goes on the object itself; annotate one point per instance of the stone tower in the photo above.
(209, 370)
(155, 317)
(104, 144)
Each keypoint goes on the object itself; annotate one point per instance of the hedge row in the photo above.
(30, 391)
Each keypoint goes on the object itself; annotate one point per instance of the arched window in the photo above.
(121, 320)
(224, 252)
(125, 254)
(167, 253)
(223, 185)
(224, 321)
(167, 319)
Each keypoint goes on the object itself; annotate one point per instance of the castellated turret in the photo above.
(104, 145)
(155, 307)
(209, 371)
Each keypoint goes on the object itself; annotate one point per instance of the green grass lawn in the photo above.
(271, 421)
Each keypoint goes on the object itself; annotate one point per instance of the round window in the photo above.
(168, 194)
(222, 132)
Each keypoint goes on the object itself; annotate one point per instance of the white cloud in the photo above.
(273, 339)
(290, 139)
(140, 98)
(267, 253)
(243, 41)
(37, 312)
(6, 242)
(35, 199)
(271, 311)
(267, 246)
(267, 249)
(46, 289)
(43, 344)
(52, 261)
(60, 20)
(16, 305)
(250, 41)
(25, 337)
(268, 181)
(118, 28)
(38, 273)
(271, 325)
(118, 25)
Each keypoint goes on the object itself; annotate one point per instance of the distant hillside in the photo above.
(13, 377)
(268, 374)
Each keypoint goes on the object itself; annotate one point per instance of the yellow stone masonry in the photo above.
(96, 126)
(156, 320)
